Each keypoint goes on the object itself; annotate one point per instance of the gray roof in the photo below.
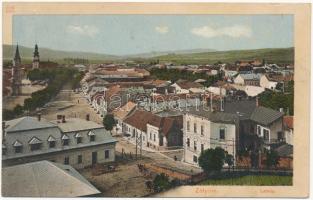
(44, 179)
(27, 123)
(215, 116)
(76, 124)
(265, 116)
(251, 76)
(242, 110)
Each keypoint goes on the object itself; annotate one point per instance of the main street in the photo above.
(127, 180)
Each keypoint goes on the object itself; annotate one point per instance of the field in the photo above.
(251, 180)
(279, 55)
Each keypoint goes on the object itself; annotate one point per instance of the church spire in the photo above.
(17, 57)
(36, 52)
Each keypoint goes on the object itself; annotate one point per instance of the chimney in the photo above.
(63, 119)
(39, 116)
(88, 117)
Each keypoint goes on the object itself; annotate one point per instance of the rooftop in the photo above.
(44, 179)
(76, 124)
(27, 123)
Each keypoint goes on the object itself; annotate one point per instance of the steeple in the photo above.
(36, 58)
(36, 52)
(17, 57)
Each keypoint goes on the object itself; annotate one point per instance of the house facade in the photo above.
(154, 131)
(203, 130)
(76, 142)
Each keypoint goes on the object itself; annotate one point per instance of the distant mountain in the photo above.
(270, 55)
(53, 55)
(164, 53)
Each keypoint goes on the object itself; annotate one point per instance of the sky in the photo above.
(133, 34)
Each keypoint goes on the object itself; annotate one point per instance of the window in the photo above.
(18, 149)
(52, 144)
(34, 147)
(222, 134)
(266, 134)
(153, 137)
(92, 138)
(195, 159)
(79, 159)
(202, 147)
(195, 127)
(106, 154)
(79, 138)
(51, 141)
(143, 138)
(259, 130)
(17, 146)
(66, 160)
(195, 145)
(188, 126)
(202, 130)
(150, 136)
(66, 142)
(188, 142)
(4, 150)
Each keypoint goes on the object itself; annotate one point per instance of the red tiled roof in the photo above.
(140, 118)
(188, 84)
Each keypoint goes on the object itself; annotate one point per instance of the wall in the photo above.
(209, 138)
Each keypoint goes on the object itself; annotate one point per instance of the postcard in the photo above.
(155, 99)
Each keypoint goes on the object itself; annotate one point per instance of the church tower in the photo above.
(16, 74)
(36, 58)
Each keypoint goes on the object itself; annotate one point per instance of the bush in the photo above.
(212, 160)
(161, 183)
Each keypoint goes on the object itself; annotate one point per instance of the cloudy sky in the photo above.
(132, 34)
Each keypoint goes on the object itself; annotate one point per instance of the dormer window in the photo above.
(35, 144)
(92, 136)
(51, 141)
(4, 150)
(65, 140)
(79, 138)
(18, 146)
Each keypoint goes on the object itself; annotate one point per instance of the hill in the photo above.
(53, 55)
(276, 55)
(163, 53)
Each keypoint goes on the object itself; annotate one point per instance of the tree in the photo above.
(109, 122)
(161, 182)
(272, 158)
(212, 160)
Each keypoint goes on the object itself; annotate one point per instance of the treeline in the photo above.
(56, 78)
(175, 74)
(76, 61)
(276, 100)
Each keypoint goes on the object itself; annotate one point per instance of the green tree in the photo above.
(212, 160)
(18, 110)
(109, 122)
(161, 183)
(272, 158)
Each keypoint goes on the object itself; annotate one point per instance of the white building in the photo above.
(266, 82)
(206, 129)
(76, 142)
